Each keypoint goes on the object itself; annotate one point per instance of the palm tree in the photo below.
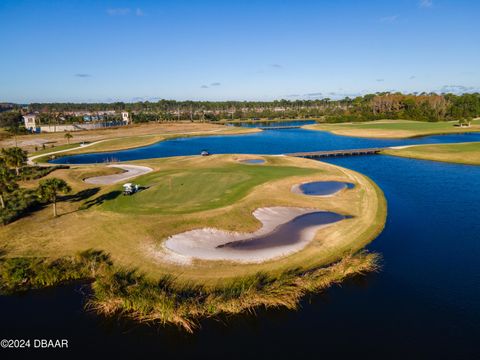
(68, 136)
(12, 121)
(15, 157)
(50, 188)
(7, 182)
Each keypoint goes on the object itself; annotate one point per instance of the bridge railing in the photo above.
(347, 152)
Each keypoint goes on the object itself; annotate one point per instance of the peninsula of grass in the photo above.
(462, 153)
(128, 272)
(392, 129)
(138, 134)
(131, 141)
(49, 149)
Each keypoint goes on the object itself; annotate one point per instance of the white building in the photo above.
(126, 117)
(30, 122)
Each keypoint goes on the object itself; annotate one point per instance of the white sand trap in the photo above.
(285, 231)
(131, 171)
(400, 147)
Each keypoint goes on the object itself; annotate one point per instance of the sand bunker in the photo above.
(285, 230)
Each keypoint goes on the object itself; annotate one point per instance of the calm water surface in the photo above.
(424, 304)
(322, 188)
(266, 124)
(288, 233)
(253, 161)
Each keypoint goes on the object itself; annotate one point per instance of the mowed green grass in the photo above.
(395, 128)
(464, 153)
(405, 125)
(197, 189)
(49, 149)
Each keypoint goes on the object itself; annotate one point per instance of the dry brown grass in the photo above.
(166, 301)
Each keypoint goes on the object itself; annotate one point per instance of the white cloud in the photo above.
(314, 95)
(458, 89)
(139, 12)
(389, 19)
(118, 11)
(425, 3)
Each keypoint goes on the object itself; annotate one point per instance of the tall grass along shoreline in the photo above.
(168, 301)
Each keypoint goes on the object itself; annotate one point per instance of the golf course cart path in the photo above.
(31, 159)
(131, 171)
(282, 233)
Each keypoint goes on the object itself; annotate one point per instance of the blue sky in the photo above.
(234, 50)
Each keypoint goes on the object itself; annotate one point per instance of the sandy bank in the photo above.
(272, 240)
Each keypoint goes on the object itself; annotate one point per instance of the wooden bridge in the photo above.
(279, 127)
(348, 152)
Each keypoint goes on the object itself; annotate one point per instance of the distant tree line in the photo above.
(423, 107)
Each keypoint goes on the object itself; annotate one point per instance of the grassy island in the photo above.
(392, 129)
(116, 241)
(462, 153)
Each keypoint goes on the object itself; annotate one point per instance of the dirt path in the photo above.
(31, 159)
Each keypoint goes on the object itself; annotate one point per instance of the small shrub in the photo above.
(17, 274)
(17, 204)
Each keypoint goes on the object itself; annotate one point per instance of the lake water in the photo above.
(267, 124)
(424, 304)
(265, 142)
(253, 161)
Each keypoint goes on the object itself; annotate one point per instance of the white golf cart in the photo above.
(130, 189)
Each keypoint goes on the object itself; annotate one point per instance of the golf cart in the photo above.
(130, 189)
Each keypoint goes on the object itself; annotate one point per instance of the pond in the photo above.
(253, 161)
(321, 188)
(267, 124)
(424, 303)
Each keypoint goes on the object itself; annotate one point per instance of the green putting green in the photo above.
(196, 189)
